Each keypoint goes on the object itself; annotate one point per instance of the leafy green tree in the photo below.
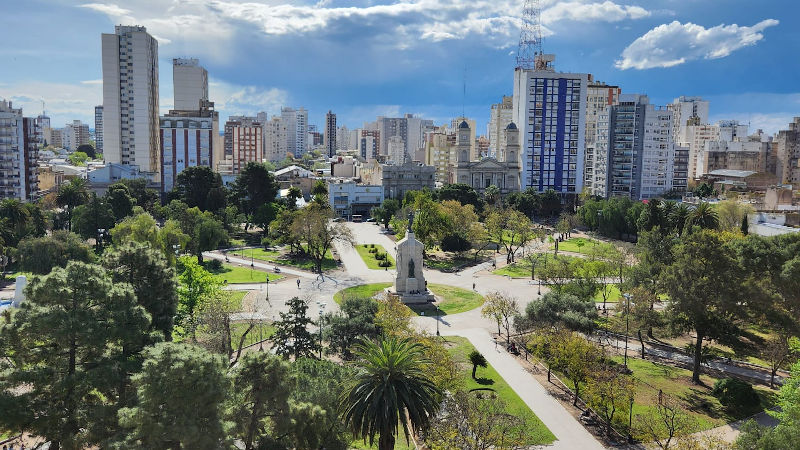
(262, 385)
(17, 219)
(67, 351)
(560, 311)
(509, 228)
(71, 195)
(527, 202)
(355, 321)
(745, 226)
(94, 215)
(312, 226)
(386, 211)
(78, 158)
(609, 391)
(578, 359)
(503, 309)
(41, 255)
(550, 202)
(180, 394)
(652, 216)
(196, 286)
(200, 187)
(678, 217)
(264, 215)
(491, 195)
(120, 200)
(294, 194)
(254, 187)
(391, 387)
(39, 223)
(292, 337)
(145, 197)
(704, 284)
(152, 279)
(477, 360)
(142, 228)
(323, 383)
(703, 190)
(208, 234)
(462, 193)
(88, 149)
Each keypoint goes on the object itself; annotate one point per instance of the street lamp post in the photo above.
(261, 324)
(321, 311)
(627, 323)
(438, 314)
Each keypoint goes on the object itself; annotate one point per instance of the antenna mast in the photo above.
(530, 36)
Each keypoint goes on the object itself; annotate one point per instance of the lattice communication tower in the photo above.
(530, 36)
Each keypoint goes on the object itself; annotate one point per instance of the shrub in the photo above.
(736, 394)
(214, 265)
(373, 250)
(455, 243)
(380, 256)
(371, 245)
(385, 263)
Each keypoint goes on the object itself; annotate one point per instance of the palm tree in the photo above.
(703, 216)
(678, 216)
(491, 194)
(70, 195)
(18, 218)
(477, 360)
(392, 387)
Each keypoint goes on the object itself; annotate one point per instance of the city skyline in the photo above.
(411, 56)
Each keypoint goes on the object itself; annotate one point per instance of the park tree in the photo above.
(704, 284)
(313, 227)
(391, 388)
(560, 312)
(254, 187)
(703, 190)
(778, 350)
(145, 198)
(472, 422)
(39, 223)
(394, 318)
(294, 194)
(78, 158)
(120, 200)
(152, 279)
(206, 232)
(527, 202)
(71, 195)
(265, 215)
(642, 313)
(509, 228)
(201, 187)
(652, 216)
(262, 385)
(578, 359)
(161, 416)
(608, 392)
(503, 308)
(460, 192)
(491, 195)
(67, 359)
(142, 228)
(459, 220)
(730, 213)
(354, 321)
(17, 219)
(196, 286)
(93, 215)
(292, 337)
(550, 202)
(87, 149)
(477, 360)
(703, 216)
(40, 255)
(665, 422)
(386, 211)
(430, 223)
(542, 345)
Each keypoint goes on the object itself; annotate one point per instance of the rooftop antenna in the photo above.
(530, 36)
(43, 112)
(464, 93)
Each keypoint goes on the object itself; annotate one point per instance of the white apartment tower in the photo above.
(397, 151)
(98, 128)
(500, 116)
(75, 134)
(190, 83)
(296, 122)
(550, 111)
(274, 138)
(130, 98)
(18, 154)
(685, 109)
(599, 97)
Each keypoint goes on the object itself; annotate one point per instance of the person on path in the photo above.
(298, 283)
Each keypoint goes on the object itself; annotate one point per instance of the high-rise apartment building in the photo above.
(18, 154)
(550, 111)
(188, 139)
(342, 138)
(685, 109)
(694, 136)
(274, 138)
(130, 99)
(330, 133)
(500, 116)
(411, 129)
(440, 152)
(189, 83)
(54, 137)
(243, 143)
(98, 128)
(641, 154)
(296, 123)
(370, 149)
(787, 150)
(75, 134)
(42, 123)
(396, 153)
(599, 97)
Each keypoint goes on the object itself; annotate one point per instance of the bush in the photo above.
(214, 265)
(380, 256)
(736, 394)
(373, 250)
(385, 264)
(455, 243)
(265, 242)
(371, 245)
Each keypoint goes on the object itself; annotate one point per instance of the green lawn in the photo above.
(306, 263)
(237, 329)
(237, 297)
(703, 407)
(259, 253)
(586, 246)
(522, 268)
(238, 274)
(454, 300)
(459, 347)
(362, 290)
(613, 295)
(369, 258)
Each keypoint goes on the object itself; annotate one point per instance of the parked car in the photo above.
(370, 220)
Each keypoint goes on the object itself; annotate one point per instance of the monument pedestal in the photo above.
(410, 284)
(407, 298)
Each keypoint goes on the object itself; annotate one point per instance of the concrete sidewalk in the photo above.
(570, 434)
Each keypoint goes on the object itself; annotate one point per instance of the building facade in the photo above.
(130, 98)
(502, 172)
(330, 134)
(599, 97)
(787, 151)
(550, 111)
(296, 123)
(75, 134)
(189, 83)
(396, 151)
(243, 144)
(274, 139)
(188, 140)
(500, 116)
(734, 155)
(686, 110)
(18, 154)
(98, 128)
(399, 179)
(347, 197)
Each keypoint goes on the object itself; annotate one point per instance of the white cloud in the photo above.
(592, 12)
(63, 102)
(98, 81)
(675, 43)
(109, 9)
(232, 99)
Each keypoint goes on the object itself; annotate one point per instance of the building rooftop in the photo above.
(732, 173)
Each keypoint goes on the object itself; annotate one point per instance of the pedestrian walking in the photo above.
(298, 283)
(473, 286)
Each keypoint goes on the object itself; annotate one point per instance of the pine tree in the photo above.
(292, 337)
(745, 226)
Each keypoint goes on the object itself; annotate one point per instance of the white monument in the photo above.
(410, 283)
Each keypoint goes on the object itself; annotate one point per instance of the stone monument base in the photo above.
(412, 299)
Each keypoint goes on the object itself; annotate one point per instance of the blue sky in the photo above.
(362, 58)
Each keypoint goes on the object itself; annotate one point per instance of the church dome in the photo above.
(511, 126)
(463, 124)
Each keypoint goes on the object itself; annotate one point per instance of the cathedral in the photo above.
(502, 171)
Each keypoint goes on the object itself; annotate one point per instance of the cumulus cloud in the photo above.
(236, 99)
(107, 8)
(589, 12)
(64, 102)
(675, 43)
